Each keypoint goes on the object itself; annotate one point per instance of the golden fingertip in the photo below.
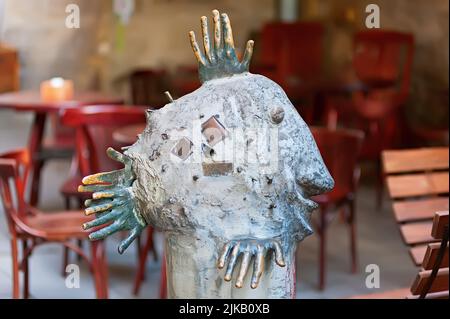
(89, 211)
(91, 179)
(100, 195)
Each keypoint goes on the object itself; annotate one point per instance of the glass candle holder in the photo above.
(57, 89)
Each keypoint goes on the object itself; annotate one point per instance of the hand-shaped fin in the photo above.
(249, 248)
(219, 57)
(112, 202)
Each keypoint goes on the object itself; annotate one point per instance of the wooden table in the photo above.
(30, 101)
(127, 135)
(418, 184)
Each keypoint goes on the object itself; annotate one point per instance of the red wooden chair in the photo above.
(148, 87)
(292, 55)
(186, 80)
(382, 61)
(30, 227)
(340, 151)
(94, 127)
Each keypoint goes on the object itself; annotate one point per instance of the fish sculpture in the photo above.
(227, 172)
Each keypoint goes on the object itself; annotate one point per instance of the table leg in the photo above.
(35, 147)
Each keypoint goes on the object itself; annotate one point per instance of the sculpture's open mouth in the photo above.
(310, 204)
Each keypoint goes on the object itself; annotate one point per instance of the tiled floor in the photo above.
(378, 243)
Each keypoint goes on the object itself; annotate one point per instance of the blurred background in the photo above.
(388, 84)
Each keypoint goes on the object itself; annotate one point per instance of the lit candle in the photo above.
(57, 89)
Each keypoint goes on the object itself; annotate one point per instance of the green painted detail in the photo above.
(219, 58)
(113, 202)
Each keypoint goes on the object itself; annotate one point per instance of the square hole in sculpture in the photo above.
(213, 131)
(183, 148)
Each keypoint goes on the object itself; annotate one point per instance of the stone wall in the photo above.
(46, 47)
(428, 20)
(157, 37)
(95, 55)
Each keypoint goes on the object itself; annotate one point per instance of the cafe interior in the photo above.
(369, 78)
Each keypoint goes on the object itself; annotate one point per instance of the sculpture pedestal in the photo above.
(192, 272)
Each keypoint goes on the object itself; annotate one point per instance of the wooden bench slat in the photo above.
(413, 185)
(390, 294)
(402, 293)
(417, 233)
(440, 222)
(440, 283)
(440, 182)
(414, 210)
(430, 256)
(417, 254)
(414, 160)
(434, 295)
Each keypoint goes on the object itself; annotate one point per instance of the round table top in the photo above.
(127, 135)
(32, 101)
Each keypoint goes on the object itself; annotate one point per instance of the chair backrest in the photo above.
(432, 281)
(384, 56)
(296, 49)
(340, 150)
(14, 169)
(94, 129)
(148, 87)
(22, 159)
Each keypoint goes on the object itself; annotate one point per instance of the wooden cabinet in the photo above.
(9, 69)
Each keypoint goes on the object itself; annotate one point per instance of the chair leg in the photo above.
(37, 169)
(80, 203)
(80, 245)
(79, 241)
(66, 252)
(96, 269)
(143, 253)
(26, 291)
(139, 252)
(65, 261)
(352, 226)
(67, 202)
(379, 185)
(15, 268)
(152, 244)
(322, 249)
(104, 269)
